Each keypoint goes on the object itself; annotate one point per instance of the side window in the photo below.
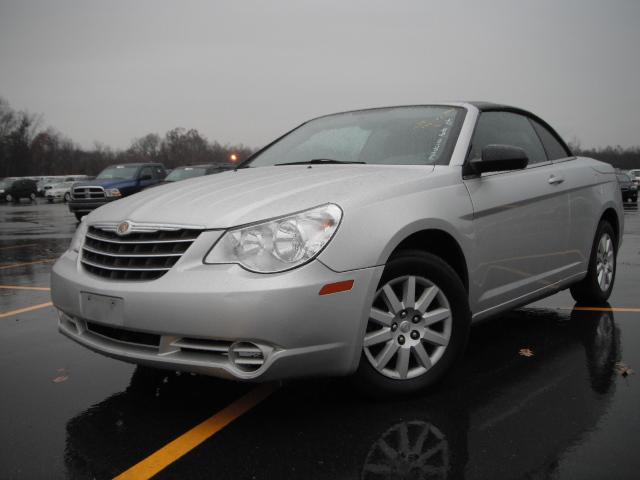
(554, 148)
(158, 173)
(146, 171)
(506, 128)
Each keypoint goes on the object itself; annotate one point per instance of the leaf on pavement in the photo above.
(623, 369)
(61, 378)
(526, 352)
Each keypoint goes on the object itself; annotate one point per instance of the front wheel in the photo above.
(67, 197)
(32, 197)
(418, 325)
(597, 285)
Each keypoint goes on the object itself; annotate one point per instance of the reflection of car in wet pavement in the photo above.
(504, 416)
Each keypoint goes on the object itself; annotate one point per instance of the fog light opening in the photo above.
(246, 356)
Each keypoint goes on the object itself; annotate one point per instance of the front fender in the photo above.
(369, 233)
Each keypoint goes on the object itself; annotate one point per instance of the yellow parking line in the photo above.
(605, 309)
(600, 309)
(186, 442)
(25, 310)
(2, 267)
(22, 287)
(19, 246)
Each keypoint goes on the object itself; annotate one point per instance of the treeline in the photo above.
(622, 158)
(27, 149)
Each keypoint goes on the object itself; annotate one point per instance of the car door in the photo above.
(146, 172)
(520, 217)
(584, 199)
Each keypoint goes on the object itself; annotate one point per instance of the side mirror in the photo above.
(145, 177)
(499, 158)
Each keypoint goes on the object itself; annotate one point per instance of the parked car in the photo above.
(361, 243)
(635, 176)
(192, 171)
(45, 183)
(59, 191)
(113, 183)
(628, 189)
(14, 189)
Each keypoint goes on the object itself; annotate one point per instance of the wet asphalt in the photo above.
(567, 411)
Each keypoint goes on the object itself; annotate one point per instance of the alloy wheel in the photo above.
(409, 327)
(605, 262)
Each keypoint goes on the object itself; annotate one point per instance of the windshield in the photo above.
(389, 136)
(122, 172)
(62, 185)
(623, 177)
(186, 172)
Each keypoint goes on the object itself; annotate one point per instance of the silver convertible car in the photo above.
(363, 243)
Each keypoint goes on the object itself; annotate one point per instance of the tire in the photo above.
(79, 216)
(591, 289)
(67, 197)
(32, 196)
(9, 198)
(389, 339)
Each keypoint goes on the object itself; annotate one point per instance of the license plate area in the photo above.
(102, 308)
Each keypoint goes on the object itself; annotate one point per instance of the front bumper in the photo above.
(88, 205)
(298, 332)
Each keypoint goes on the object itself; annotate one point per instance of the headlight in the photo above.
(112, 192)
(78, 237)
(280, 244)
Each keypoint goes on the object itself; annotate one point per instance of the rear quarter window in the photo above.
(555, 150)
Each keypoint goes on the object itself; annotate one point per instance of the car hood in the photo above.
(252, 194)
(105, 183)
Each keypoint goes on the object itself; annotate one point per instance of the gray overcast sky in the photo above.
(246, 71)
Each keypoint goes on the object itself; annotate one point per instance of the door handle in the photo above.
(553, 180)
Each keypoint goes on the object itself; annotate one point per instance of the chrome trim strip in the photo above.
(132, 242)
(131, 255)
(125, 269)
(145, 227)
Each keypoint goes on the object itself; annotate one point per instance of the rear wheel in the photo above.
(418, 325)
(32, 196)
(9, 197)
(597, 285)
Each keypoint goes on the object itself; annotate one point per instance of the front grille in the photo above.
(86, 193)
(144, 255)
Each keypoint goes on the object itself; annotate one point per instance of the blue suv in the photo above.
(112, 183)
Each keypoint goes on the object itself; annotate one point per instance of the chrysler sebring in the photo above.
(362, 243)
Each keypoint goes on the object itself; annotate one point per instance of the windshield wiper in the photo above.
(316, 161)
